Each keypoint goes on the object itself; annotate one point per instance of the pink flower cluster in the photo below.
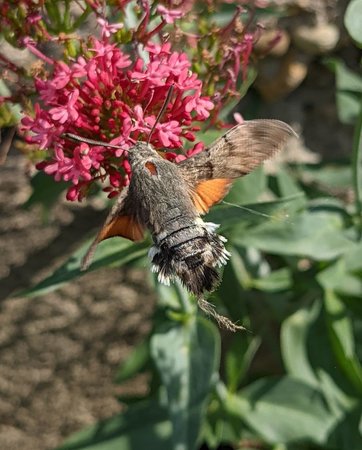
(105, 96)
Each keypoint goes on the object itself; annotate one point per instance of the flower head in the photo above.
(105, 97)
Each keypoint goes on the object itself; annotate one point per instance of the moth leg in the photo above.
(116, 210)
(223, 321)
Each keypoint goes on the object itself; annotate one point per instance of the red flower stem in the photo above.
(159, 27)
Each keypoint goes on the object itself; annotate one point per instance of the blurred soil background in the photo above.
(59, 352)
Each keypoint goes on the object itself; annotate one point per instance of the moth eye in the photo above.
(151, 168)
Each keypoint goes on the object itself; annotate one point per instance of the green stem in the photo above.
(184, 298)
(357, 171)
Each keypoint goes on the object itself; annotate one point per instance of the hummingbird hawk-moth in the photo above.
(169, 199)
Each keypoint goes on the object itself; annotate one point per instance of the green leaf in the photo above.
(135, 362)
(209, 136)
(294, 343)
(333, 175)
(238, 358)
(112, 252)
(142, 426)
(278, 280)
(249, 188)
(357, 169)
(175, 297)
(353, 259)
(231, 292)
(341, 334)
(308, 356)
(288, 187)
(314, 234)
(353, 20)
(338, 279)
(348, 106)
(343, 276)
(284, 410)
(347, 433)
(223, 425)
(45, 191)
(348, 92)
(346, 79)
(187, 358)
(14, 112)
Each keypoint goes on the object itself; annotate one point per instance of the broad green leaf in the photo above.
(294, 344)
(223, 425)
(45, 191)
(284, 410)
(347, 433)
(357, 170)
(288, 187)
(317, 235)
(110, 253)
(344, 276)
(135, 362)
(236, 289)
(209, 136)
(338, 279)
(353, 259)
(341, 334)
(174, 297)
(187, 357)
(346, 79)
(278, 280)
(348, 106)
(348, 92)
(308, 355)
(142, 426)
(353, 20)
(329, 175)
(248, 189)
(230, 292)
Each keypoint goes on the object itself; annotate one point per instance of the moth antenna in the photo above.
(223, 321)
(75, 137)
(164, 106)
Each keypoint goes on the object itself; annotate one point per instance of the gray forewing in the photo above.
(239, 151)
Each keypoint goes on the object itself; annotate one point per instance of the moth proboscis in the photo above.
(168, 199)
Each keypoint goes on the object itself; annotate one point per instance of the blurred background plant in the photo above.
(295, 276)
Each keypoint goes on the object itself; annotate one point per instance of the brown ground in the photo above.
(59, 352)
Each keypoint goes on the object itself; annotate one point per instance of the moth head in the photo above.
(140, 152)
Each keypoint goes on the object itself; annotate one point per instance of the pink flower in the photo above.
(201, 105)
(238, 117)
(62, 75)
(42, 127)
(169, 134)
(108, 28)
(169, 15)
(157, 49)
(156, 72)
(68, 112)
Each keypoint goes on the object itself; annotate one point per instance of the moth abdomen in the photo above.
(192, 254)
